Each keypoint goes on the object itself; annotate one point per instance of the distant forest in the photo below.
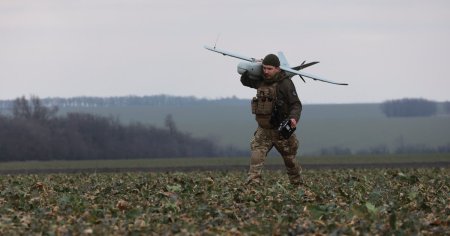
(33, 132)
(156, 100)
(406, 107)
(412, 107)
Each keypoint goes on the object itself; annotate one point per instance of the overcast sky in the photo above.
(384, 49)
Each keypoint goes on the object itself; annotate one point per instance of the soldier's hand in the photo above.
(293, 123)
(244, 75)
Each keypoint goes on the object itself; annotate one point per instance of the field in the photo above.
(332, 201)
(341, 195)
(226, 163)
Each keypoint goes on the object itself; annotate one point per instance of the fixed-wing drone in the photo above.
(254, 66)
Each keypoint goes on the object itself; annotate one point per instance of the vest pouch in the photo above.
(265, 100)
(264, 108)
(263, 105)
(254, 105)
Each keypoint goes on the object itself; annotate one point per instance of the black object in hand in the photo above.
(285, 129)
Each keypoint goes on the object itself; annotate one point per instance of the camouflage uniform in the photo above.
(288, 107)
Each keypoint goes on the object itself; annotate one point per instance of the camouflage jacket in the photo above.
(288, 103)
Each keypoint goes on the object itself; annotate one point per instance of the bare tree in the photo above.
(21, 108)
(171, 124)
(33, 109)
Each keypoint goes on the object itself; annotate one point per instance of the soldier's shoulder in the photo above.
(286, 82)
(287, 87)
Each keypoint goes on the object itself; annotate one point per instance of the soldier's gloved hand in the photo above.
(293, 123)
(245, 74)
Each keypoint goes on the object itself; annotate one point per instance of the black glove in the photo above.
(245, 74)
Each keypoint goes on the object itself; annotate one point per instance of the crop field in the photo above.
(341, 201)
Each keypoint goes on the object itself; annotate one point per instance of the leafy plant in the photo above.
(350, 201)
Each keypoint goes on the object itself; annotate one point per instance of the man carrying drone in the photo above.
(277, 110)
(276, 107)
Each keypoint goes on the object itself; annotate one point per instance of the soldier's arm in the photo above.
(294, 104)
(246, 81)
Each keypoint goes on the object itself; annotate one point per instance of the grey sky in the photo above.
(385, 49)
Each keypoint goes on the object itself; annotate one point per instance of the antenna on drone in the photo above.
(217, 40)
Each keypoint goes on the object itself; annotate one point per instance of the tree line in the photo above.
(447, 107)
(411, 107)
(391, 108)
(156, 100)
(385, 150)
(34, 132)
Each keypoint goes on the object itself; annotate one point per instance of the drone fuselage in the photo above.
(254, 69)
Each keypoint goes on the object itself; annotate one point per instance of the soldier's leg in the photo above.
(288, 149)
(260, 146)
(293, 169)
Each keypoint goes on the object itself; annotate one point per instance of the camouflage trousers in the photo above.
(262, 142)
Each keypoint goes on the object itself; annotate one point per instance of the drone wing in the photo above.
(231, 54)
(287, 69)
(284, 65)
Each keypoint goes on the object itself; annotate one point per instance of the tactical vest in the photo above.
(264, 104)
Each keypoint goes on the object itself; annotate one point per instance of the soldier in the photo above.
(276, 101)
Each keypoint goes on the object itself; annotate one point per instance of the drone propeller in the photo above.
(303, 65)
